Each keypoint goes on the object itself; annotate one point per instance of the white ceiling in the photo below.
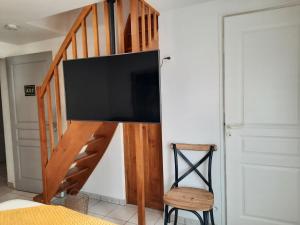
(171, 4)
(45, 19)
(23, 12)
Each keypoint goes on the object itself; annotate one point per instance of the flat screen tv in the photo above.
(122, 88)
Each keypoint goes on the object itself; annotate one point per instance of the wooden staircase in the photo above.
(71, 150)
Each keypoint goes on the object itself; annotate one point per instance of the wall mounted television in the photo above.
(121, 88)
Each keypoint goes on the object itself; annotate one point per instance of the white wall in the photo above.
(109, 177)
(5, 50)
(192, 110)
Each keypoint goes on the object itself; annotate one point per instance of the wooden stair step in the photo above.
(95, 139)
(65, 186)
(85, 156)
(75, 171)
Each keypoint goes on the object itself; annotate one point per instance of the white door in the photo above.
(24, 73)
(262, 107)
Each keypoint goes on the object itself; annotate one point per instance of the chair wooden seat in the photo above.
(190, 198)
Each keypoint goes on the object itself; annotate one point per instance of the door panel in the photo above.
(26, 70)
(262, 114)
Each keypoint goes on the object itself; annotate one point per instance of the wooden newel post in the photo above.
(43, 141)
(140, 173)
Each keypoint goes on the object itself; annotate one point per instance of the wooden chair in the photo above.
(189, 198)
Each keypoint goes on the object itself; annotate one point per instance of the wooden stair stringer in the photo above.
(106, 130)
(65, 153)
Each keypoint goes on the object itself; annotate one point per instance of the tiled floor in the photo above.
(111, 212)
(104, 210)
(123, 214)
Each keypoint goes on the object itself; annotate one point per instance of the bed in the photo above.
(24, 212)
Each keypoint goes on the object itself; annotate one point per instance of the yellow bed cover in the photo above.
(47, 215)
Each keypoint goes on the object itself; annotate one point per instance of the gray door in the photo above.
(24, 71)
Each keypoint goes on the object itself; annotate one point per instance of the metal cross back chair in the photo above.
(189, 198)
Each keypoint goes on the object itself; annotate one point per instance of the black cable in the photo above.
(164, 59)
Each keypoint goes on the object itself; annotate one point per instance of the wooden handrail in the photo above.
(84, 13)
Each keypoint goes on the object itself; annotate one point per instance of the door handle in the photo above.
(230, 127)
(233, 126)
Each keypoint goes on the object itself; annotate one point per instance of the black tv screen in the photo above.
(123, 88)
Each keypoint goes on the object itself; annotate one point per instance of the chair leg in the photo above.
(205, 218)
(211, 212)
(176, 217)
(166, 219)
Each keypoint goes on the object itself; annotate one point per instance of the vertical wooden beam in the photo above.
(106, 27)
(84, 38)
(140, 168)
(143, 26)
(43, 140)
(140, 173)
(149, 29)
(50, 117)
(95, 30)
(74, 46)
(120, 26)
(58, 103)
(134, 25)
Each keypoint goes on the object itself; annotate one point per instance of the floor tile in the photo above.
(24, 197)
(93, 202)
(7, 197)
(152, 217)
(23, 193)
(103, 208)
(123, 212)
(4, 190)
(115, 221)
(95, 215)
(160, 222)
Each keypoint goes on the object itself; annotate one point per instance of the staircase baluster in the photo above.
(120, 26)
(143, 26)
(155, 30)
(50, 117)
(106, 27)
(58, 103)
(149, 28)
(65, 56)
(84, 38)
(95, 30)
(74, 46)
(134, 26)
